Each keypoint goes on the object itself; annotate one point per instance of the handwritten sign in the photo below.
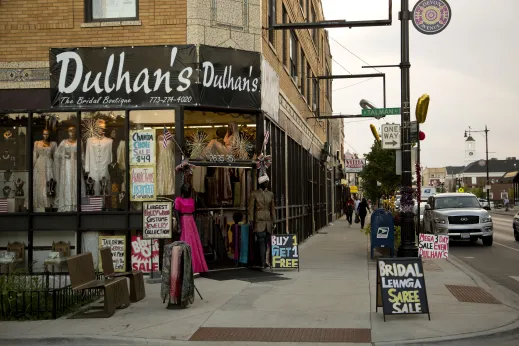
(284, 251)
(142, 147)
(401, 283)
(117, 244)
(156, 220)
(142, 181)
(433, 246)
(142, 252)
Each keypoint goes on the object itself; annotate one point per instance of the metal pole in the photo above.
(488, 179)
(418, 187)
(408, 244)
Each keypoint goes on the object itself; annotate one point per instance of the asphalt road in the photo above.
(499, 261)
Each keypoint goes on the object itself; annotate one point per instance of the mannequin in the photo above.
(19, 187)
(262, 214)
(98, 156)
(6, 190)
(43, 162)
(66, 172)
(118, 157)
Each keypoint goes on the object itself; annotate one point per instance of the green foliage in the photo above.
(380, 166)
(477, 191)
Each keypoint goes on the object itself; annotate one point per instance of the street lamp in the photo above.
(487, 185)
(365, 104)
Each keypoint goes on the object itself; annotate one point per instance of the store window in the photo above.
(13, 163)
(151, 156)
(99, 10)
(54, 162)
(103, 142)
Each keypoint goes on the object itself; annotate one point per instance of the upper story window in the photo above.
(285, 20)
(293, 54)
(315, 31)
(303, 73)
(271, 17)
(106, 10)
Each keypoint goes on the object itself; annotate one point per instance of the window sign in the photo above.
(142, 147)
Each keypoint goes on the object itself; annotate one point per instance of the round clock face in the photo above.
(471, 153)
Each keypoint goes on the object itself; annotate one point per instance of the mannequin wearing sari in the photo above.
(43, 162)
(165, 169)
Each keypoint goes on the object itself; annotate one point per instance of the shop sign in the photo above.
(142, 183)
(230, 78)
(354, 165)
(431, 17)
(269, 91)
(433, 246)
(284, 251)
(156, 220)
(401, 286)
(142, 147)
(154, 76)
(117, 245)
(142, 252)
(354, 189)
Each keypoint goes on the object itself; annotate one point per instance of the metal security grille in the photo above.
(276, 148)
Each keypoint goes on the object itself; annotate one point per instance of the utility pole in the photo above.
(488, 178)
(408, 244)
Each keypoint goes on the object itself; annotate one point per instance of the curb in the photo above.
(484, 282)
(84, 340)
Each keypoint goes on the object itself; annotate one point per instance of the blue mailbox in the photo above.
(382, 230)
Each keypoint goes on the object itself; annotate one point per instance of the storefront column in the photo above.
(179, 137)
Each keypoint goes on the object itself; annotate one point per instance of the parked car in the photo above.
(422, 210)
(460, 216)
(516, 226)
(484, 204)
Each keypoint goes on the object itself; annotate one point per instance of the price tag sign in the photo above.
(142, 147)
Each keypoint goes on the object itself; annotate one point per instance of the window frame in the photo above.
(303, 73)
(89, 16)
(285, 35)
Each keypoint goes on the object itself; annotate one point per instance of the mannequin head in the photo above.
(113, 134)
(263, 182)
(72, 133)
(185, 190)
(46, 135)
(102, 127)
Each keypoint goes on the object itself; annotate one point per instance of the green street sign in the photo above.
(380, 112)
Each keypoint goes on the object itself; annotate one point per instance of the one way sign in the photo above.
(391, 136)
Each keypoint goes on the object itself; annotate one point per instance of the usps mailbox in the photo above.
(382, 231)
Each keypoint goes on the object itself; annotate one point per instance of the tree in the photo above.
(380, 166)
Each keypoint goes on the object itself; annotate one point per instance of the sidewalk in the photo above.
(331, 299)
(502, 211)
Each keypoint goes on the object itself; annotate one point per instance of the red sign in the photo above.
(354, 165)
(141, 254)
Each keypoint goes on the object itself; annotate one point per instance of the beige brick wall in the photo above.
(316, 57)
(28, 28)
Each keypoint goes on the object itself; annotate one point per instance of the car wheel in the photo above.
(487, 241)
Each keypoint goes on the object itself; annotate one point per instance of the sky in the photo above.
(470, 70)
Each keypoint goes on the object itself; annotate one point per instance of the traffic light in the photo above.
(421, 108)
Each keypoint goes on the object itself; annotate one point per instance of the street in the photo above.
(498, 262)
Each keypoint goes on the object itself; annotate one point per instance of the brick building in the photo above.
(45, 199)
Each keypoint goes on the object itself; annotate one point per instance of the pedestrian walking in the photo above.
(506, 202)
(350, 205)
(363, 211)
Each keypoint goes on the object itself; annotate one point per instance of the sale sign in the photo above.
(156, 219)
(142, 147)
(433, 246)
(142, 252)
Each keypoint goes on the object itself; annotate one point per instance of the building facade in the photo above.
(90, 89)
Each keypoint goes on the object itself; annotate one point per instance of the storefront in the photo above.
(78, 165)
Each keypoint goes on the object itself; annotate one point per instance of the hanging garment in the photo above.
(43, 161)
(65, 161)
(198, 179)
(189, 232)
(262, 210)
(244, 244)
(211, 191)
(97, 158)
(178, 284)
(121, 162)
(166, 169)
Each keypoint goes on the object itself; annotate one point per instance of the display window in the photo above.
(54, 162)
(103, 143)
(151, 156)
(13, 163)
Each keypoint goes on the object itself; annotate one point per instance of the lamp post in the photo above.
(487, 185)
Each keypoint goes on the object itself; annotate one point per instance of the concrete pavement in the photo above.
(335, 288)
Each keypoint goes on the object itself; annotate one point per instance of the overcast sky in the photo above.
(469, 70)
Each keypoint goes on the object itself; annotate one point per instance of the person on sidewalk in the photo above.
(506, 202)
(350, 205)
(185, 209)
(363, 211)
